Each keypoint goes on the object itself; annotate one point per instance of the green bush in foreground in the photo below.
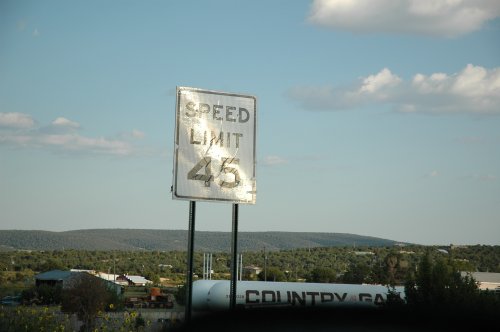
(33, 318)
(51, 319)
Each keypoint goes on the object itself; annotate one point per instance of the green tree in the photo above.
(356, 274)
(439, 287)
(49, 294)
(52, 264)
(323, 275)
(180, 294)
(86, 296)
(272, 274)
(43, 294)
(391, 263)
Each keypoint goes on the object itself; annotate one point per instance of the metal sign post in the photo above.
(189, 273)
(234, 258)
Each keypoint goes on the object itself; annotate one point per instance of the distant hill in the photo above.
(168, 240)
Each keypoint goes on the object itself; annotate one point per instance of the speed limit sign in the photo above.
(214, 153)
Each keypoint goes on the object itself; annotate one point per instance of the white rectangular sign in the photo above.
(214, 146)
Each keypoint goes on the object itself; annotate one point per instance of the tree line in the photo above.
(383, 265)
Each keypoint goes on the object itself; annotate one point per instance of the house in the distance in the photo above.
(486, 280)
(55, 278)
(66, 279)
(107, 276)
(128, 280)
(251, 270)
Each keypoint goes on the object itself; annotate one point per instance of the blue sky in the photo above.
(377, 118)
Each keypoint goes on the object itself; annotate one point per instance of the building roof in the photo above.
(55, 275)
(107, 276)
(138, 279)
(364, 253)
(489, 277)
(79, 270)
(252, 267)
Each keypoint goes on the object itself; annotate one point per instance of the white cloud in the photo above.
(16, 120)
(482, 177)
(63, 122)
(274, 160)
(474, 90)
(135, 134)
(74, 142)
(446, 18)
(60, 135)
(375, 83)
(15, 139)
(475, 81)
(489, 178)
(433, 174)
(138, 134)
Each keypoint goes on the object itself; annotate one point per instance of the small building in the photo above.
(93, 272)
(252, 270)
(363, 253)
(55, 278)
(486, 280)
(107, 276)
(129, 280)
(65, 278)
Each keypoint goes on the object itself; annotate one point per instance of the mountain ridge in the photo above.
(170, 240)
